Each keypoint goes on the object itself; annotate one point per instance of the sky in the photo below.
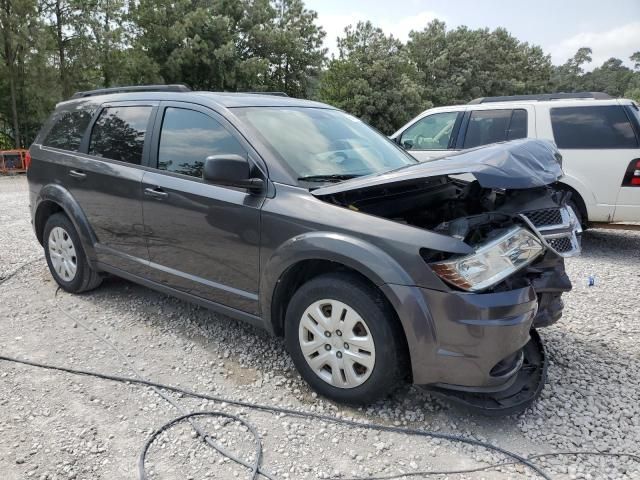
(611, 28)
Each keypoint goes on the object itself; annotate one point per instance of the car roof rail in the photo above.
(275, 94)
(542, 97)
(133, 88)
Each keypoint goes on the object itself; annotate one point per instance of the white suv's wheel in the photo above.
(345, 339)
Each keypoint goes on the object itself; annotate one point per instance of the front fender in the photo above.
(352, 252)
(63, 198)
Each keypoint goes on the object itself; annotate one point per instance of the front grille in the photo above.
(559, 227)
(543, 218)
(561, 245)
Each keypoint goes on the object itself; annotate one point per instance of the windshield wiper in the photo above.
(335, 177)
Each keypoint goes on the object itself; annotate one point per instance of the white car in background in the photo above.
(598, 137)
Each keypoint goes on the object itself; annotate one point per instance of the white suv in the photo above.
(598, 136)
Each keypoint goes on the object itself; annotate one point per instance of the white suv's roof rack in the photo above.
(542, 97)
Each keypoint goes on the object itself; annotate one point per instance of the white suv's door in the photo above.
(628, 201)
(598, 143)
(431, 136)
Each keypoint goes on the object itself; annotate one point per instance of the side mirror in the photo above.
(230, 170)
(407, 144)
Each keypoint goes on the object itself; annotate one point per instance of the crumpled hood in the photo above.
(517, 164)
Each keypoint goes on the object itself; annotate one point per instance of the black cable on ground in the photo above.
(19, 269)
(256, 470)
(492, 466)
(294, 413)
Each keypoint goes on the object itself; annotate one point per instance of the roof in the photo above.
(541, 97)
(214, 99)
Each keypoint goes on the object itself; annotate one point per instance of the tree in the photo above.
(284, 35)
(568, 77)
(16, 18)
(373, 78)
(462, 64)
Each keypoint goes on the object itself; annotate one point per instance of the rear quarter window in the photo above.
(68, 128)
(605, 126)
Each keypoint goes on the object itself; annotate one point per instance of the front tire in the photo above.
(65, 256)
(344, 339)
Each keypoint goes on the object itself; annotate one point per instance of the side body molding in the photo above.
(60, 196)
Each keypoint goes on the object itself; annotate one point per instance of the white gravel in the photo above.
(57, 426)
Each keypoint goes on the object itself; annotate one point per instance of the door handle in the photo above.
(156, 193)
(79, 174)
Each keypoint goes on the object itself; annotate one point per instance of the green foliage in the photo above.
(374, 79)
(462, 64)
(51, 48)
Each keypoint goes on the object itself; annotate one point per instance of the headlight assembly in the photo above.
(492, 261)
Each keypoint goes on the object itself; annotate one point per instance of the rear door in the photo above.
(203, 239)
(104, 175)
(628, 201)
(432, 136)
(598, 144)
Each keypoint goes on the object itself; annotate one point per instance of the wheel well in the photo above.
(45, 210)
(577, 199)
(297, 275)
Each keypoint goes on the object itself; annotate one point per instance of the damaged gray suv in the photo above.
(300, 219)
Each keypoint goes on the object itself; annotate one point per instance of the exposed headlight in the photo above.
(492, 261)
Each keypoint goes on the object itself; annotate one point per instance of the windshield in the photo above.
(319, 144)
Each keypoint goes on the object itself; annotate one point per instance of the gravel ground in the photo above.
(58, 426)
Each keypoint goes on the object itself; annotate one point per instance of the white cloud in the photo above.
(619, 42)
(334, 25)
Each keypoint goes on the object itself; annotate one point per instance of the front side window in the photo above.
(605, 126)
(118, 133)
(188, 137)
(491, 126)
(430, 133)
(68, 129)
(322, 142)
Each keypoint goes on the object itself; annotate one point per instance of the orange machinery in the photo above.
(14, 161)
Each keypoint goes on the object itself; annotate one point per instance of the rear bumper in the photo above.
(473, 341)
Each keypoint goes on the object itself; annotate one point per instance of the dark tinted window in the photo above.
(604, 126)
(491, 126)
(188, 138)
(68, 129)
(119, 132)
(518, 125)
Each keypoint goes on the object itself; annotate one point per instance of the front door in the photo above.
(432, 136)
(203, 239)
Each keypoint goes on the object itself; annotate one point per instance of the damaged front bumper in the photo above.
(481, 350)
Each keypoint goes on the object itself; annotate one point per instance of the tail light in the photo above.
(632, 175)
(27, 160)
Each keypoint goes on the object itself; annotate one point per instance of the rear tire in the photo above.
(345, 340)
(65, 256)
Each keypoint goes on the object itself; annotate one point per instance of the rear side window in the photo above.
(118, 133)
(604, 126)
(491, 126)
(188, 138)
(68, 129)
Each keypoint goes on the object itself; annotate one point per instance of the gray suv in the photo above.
(300, 219)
